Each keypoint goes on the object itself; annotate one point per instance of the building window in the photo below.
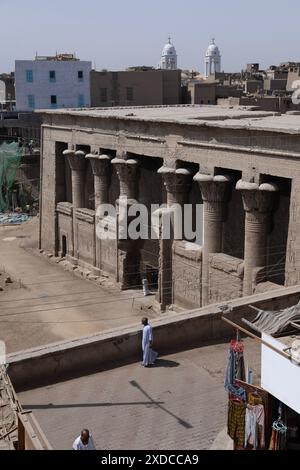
(103, 95)
(29, 76)
(129, 94)
(52, 76)
(30, 99)
(81, 101)
(80, 75)
(53, 100)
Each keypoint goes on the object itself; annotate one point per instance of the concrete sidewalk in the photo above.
(178, 404)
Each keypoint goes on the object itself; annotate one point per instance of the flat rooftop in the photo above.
(180, 403)
(196, 114)
(234, 117)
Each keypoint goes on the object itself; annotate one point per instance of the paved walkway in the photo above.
(179, 404)
(54, 304)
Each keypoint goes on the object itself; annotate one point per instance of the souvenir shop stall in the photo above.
(264, 415)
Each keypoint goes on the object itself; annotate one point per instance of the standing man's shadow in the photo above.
(165, 363)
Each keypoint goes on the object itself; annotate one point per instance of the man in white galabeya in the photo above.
(149, 356)
(84, 441)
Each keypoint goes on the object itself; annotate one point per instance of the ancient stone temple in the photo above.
(239, 164)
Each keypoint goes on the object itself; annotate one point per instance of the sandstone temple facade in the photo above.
(241, 164)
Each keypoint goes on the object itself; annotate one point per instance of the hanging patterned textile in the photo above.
(236, 365)
(255, 426)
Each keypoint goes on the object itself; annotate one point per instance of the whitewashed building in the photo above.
(60, 81)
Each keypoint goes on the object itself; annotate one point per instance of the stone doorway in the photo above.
(63, 246)
(152, 277)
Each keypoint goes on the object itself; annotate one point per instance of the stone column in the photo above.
(76, 160)
(177, 183)
(128, 250)
(126, 171)
(258, 202)
(214, 191)
(77, 164)
(101, 170)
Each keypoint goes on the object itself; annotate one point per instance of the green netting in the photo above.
(10, 157)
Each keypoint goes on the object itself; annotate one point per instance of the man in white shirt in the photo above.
(84, 441)
(149, 356)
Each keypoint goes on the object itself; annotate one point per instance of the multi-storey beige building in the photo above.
(141, 86)
(241, 165)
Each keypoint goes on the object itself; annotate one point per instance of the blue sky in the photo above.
(115, 34)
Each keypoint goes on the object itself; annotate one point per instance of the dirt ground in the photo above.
(46, 303)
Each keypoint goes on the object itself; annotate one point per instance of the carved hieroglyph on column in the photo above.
(258, 203)
(214, 191)
(128, 252)
(177, 183)
(76, 160)
(101, 170)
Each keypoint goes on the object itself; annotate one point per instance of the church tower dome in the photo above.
(212, 62)
(168, 59)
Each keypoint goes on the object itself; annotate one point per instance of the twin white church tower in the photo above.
(168, 59)
(212, 61)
